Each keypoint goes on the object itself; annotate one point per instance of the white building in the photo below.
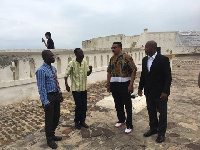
(174, 42)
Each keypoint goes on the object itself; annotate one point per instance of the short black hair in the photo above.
(48, 33)
(119, 44)
(44, 53)
(76, 50)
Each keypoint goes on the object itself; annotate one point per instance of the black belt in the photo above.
(53, 93)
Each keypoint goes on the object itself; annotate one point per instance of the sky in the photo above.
(23, 23)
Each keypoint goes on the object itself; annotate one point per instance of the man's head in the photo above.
(48, 56)
(79, 53)
(116, 48)
(48, 35)
(150, 48)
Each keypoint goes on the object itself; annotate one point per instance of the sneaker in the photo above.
(128, 130)
(118, 124)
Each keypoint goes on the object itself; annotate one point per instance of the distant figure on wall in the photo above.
(199, 80)
(50, 43)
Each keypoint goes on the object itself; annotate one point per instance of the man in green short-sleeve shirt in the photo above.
(78, 70)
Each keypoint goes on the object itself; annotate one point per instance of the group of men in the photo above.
(155, 80)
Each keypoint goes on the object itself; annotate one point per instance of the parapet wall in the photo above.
(17, 67)
(171, 42)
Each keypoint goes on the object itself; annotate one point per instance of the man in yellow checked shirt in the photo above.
(78, 70)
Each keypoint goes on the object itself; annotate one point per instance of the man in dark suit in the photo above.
(156, 81)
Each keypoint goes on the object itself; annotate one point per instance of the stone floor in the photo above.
(22, 125)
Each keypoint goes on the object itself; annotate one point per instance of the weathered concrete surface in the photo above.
(138, 103)
(22, 126)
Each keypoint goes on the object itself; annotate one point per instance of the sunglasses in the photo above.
(113, 47)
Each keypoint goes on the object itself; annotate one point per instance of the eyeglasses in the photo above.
(113, 47)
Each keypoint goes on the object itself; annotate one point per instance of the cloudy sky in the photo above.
(24, 22)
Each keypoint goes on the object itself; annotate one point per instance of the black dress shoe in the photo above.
(77, 126)
(150, 133)
(52, 144)
(57, 138)
(83, 124)
(160, 139)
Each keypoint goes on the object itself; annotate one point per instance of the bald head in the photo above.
(153, 44)
(150, 48)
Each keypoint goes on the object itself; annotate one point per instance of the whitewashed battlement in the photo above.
(17, 70)
(171, 42)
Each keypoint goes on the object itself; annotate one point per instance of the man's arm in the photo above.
(130, 87)
(45, 43)
(108, 82)
(60, 92)
(133, 73)
(167, 75)
(89, 71)
(67, 73)
(66, 84)
(168, 79)
(142, 81)
(40, 76)
(108, 76)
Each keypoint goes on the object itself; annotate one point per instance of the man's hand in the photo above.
(108, 88)
(61, 98)
(130, 88)
(163, 96)
(139, 92)
(43, 40)
(48, 106)
(68, 88)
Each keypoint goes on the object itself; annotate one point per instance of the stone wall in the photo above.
(166, 40)
(106, 42)
(187, 67)
(17, 67)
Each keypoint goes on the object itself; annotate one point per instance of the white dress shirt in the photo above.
(150, 61)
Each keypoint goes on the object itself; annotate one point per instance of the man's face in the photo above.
(80, 54)
(115, 49)
(149, 49)
(47, 36)
(50, 58)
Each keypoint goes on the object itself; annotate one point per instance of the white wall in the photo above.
(23, 87)
(165, 40)
(106, 42)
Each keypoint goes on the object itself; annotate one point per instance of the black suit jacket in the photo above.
(159, 78)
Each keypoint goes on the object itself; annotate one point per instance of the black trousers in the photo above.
(122, 99)
(154, 103)
(80, 99)
(52, 115)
